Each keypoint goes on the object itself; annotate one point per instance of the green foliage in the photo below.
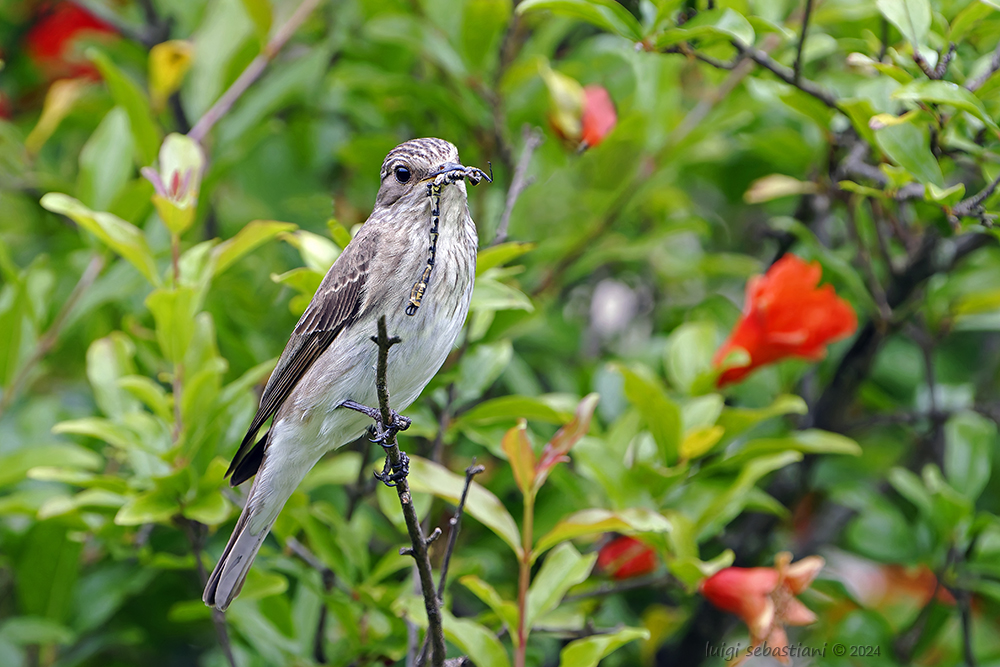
(133, 348)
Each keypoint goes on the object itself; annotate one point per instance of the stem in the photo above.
(417, 539)
(524, 578)
(797, 68)
(195, 532)
(252, 71)
(49, 338)
(532, 140)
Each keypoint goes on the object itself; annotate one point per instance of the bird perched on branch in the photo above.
(414, 262)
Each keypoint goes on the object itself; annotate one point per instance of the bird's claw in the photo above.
(383, 436)
(393, 474)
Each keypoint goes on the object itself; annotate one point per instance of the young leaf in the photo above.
(912, 17)
(124, 238)
(518, 449)
(589, 651)
(605, 14)
(558, 447)
(563, 568)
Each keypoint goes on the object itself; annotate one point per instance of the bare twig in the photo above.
(978, 82)
(973, 206)
(532, 140)
(787, 75)
(51, 336)
(252, 71)
(944, 59)
(329, 579)
(797, 67)
(419, 548)
(455, 523)
(195, 532)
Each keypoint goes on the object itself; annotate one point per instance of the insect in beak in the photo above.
(452, 171)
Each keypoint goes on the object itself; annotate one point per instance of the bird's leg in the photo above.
(384, 433)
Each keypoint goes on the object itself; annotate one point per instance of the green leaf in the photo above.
(499, 255)
(106, 161)
(809, 441)
(589, 651)
(127, 94)
(740, 420)
(605, 14)
(210, 509)
(563, 568)
(14, 313)
(151, 507)
(662, 416)
(259, 12)
(318, 252)
(152, 395)
(14, 465)
(124, 238)
(504, 609)
(909, 146)
(946, 92)
(521, 456)
(429, 477)
(726, 24)
(28, 630)
(596, 521)
(47, 568)
(728, 504)
(860, 111)
(110, 432)
(253, 235)
(508, 408)
(475, 640)
(970, 441)
(689, 353)
(108, 360)
(491, 294)
(483, 25)
(174, 311)
(911, 17)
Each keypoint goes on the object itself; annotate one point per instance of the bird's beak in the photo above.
(448, 167)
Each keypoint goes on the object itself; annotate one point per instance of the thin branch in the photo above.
(329, 579)
(787, 75)
(938, 71)
(51, 336)
(973, 206)
(532, 140)
(419, 548)
(252, 71)
(195, 532)
(647, 582)
(455, 522)
(978, 82)
(797, 67)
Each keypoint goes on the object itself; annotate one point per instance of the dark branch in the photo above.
(787, 75)
(973, 206)
(944, 60)
(797, 68)
(978, 82)
(417, 539)
(532, 140)
(195, 532)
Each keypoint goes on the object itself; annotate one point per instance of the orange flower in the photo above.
(626, 557)
(599, 115)
(764, 598)
(786, 315)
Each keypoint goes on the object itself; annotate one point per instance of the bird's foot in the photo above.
(383, 434)
(393, 474)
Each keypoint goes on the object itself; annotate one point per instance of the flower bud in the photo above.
(178, 181)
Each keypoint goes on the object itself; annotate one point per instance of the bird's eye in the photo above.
(402, 174)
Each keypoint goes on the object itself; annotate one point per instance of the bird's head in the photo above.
(411, 166)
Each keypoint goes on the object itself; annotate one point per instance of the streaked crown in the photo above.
(429, 152)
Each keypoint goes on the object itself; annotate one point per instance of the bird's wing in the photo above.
(335, 306)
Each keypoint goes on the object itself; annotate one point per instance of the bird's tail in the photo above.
(267, 496)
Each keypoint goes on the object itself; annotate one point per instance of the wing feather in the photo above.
(336, 305)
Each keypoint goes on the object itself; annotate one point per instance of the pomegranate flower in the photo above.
(626, 557)
(764, 597)
(178, 181)
(53, 41)
(582, 116)
(786, 315)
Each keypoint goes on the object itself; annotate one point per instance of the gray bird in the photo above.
(413, 261)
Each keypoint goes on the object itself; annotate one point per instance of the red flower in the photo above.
(786, 315)
(764, 597)
(599, 116)
(52, 39)
(626, 557)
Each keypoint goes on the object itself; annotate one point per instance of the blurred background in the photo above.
(653, 160)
